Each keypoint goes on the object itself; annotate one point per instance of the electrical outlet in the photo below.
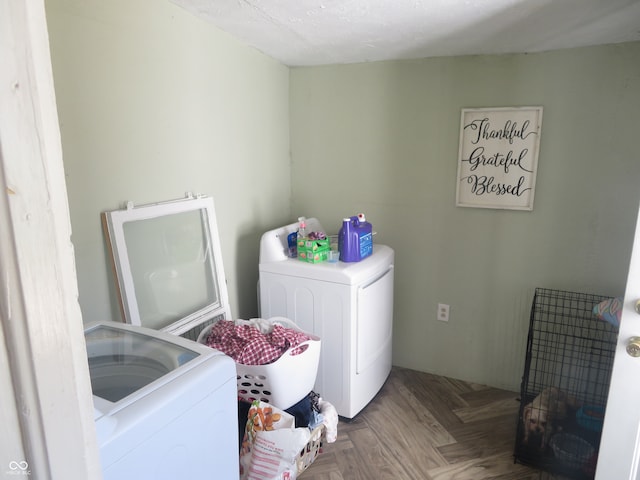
(443, 312)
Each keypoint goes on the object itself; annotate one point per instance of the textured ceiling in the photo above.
(318, 32)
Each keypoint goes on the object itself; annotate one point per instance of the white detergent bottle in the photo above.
(302, 227)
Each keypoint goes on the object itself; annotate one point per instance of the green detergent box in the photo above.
(313, 251)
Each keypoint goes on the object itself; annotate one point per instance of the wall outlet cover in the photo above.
(443, 312)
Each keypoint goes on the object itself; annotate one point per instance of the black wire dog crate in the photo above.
(565, 384)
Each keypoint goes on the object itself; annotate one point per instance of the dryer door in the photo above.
(375, 322)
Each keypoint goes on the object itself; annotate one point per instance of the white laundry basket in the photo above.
(284, 382)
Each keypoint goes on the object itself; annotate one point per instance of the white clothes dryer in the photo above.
(348, 305)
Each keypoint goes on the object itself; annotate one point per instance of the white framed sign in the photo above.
(498, 157)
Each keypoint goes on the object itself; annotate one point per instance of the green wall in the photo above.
(382, 138)
(154, 103)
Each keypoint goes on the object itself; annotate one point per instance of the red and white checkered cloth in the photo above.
(248, 346)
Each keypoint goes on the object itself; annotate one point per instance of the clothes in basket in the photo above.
(246, 343)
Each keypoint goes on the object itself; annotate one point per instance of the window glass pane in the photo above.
(172, 266)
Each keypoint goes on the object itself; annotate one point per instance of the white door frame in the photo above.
(47, 412)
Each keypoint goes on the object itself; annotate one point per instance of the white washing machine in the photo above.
(348, 305)
(165, 407)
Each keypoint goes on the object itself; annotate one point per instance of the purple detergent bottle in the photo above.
(347, 242)
(355, 239)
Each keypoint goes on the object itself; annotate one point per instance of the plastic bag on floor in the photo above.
(271, 444)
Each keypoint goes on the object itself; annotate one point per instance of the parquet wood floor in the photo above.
(426, 427)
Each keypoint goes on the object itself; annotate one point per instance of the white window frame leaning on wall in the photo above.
(168, 263)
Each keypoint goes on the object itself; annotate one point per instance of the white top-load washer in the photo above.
(348, 305)
(165, 407)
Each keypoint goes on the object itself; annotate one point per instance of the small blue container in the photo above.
(591, 417)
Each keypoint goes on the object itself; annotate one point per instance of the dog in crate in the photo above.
(544, 416)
